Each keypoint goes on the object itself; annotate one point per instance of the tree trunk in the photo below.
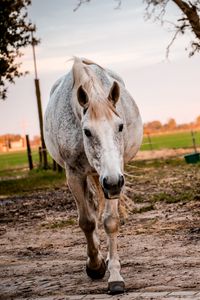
(190, 11)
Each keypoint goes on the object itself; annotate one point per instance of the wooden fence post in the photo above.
(194, 141)
(30, 162)
(40, 156)
(54, 165)
(150, 142)
(60, 169)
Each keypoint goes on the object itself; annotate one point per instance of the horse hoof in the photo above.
(97, 273)
(116, 287)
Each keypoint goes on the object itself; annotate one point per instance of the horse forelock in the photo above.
(99, 105)
(101, 109)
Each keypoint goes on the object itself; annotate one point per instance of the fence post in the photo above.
(40, 156)
(194, 141)
(60, 169)
(30, 162)
(150, 142)
(54, 165)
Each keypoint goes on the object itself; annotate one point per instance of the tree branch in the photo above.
(190, 19)
(80, 2)
(190, 11)
(119, 4)
(172, 41)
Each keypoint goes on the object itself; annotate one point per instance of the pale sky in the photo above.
(118, 39)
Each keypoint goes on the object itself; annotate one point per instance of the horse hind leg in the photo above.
(95, 265)
(111, 224)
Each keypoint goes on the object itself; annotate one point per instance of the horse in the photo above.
(92, 128)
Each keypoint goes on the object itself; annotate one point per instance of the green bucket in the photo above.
(192, 158)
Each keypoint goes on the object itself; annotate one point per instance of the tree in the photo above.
(15, 34)
(171, 124)
(188, 21)
(197, 121)
(153, 126)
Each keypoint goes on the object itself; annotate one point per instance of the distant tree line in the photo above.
(149, 127)
(5, 139)
(156, 126)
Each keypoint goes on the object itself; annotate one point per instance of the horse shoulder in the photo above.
(54, 117)
(62, 129)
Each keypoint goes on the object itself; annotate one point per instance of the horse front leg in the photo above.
(95, 265)
(111, 224)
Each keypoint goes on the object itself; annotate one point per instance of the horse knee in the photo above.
(87, 224)
(111, 224)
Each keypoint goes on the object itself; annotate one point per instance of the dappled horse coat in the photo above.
(92, 127)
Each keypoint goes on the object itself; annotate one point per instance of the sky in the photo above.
(121, 40)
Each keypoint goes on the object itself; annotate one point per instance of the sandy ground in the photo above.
(164, 153)
(43, 251)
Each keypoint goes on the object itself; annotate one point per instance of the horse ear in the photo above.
(114, 93)
(82, 97)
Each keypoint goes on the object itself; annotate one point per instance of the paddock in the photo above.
(43, 250)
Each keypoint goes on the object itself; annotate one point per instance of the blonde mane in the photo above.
(99, 105)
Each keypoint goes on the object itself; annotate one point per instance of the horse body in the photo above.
(92, 127)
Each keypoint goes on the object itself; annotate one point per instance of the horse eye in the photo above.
(87, 132)
(121, 126)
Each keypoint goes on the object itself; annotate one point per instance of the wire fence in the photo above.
(184, 140)
(169, 145)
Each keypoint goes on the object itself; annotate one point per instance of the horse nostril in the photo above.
(121, 181)
(113, 185)
(105, 183)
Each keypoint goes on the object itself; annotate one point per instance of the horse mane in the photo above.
(99, 105)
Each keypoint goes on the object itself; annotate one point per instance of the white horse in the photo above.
(92, 127)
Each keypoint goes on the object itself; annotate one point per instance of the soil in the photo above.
(43, 251)
(164, 153)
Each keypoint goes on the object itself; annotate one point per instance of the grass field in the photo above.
(14, 160)
(30, 181)
(18, 160)
(170, 141)
(15, 178)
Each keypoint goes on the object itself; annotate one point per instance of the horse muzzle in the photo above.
(112, 188)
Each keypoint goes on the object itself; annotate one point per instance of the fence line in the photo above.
(190, 141)
(171, 140)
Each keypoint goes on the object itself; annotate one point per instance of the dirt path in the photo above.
(43, 251)
(164, 153)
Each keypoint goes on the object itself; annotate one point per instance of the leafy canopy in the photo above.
(15, 34)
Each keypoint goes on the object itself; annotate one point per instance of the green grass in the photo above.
(32, 181)
(15, 178)
(16, 163)
(170, 141)
(144, 209)
(155, 163)
(16, 160)
(184, 196)
(13, 160)
(59, 224)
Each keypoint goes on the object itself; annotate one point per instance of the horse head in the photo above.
(102, 129)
